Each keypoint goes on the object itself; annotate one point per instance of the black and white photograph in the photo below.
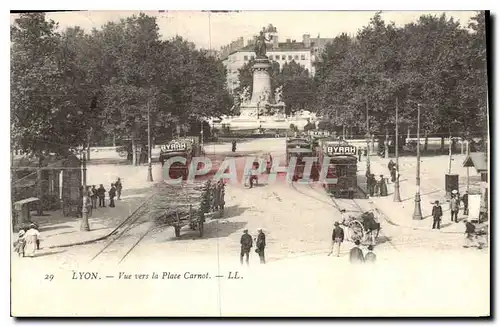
(235, 163)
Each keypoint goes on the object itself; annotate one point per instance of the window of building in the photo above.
(302, 57)
(289, 57)
(296, 57)
(245, 58)
(270, 57)
(283, 57)
(253, 57)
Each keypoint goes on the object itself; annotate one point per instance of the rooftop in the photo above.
(477, 160)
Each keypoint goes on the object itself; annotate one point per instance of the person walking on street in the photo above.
(88, 202)
(356, 254)
(93, 197)
(359, 154)
(261, 245)
(393, 174)
(465, 200)
(246, 245)
(32, 237)
(437, 213)
(370, 257)
(101, 193)
(112, 194)
(337, 239)
(454, 206)
(470, 229)
(371, 183)
(391, 165)
(119, 187)
(20, 243)
(382, 186)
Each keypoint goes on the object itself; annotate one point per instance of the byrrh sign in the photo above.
(174, 146)
(340, 149)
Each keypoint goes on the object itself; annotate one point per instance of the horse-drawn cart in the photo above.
(191, 204)
(364, 227)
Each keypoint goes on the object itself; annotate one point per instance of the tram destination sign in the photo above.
(174, 146)
(340, 149)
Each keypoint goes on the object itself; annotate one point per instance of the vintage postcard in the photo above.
(250, 164)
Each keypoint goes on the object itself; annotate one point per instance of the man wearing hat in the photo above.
(465, 200)
(454, 206)
(261, 244)
(246, 245)
(437, 213)
(356, 254)
(337, 239)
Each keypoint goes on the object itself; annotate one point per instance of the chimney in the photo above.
(288, 40)
(306, 39)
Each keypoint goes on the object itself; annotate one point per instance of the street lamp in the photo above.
(150, 169)
(417, 213)
(397, 196)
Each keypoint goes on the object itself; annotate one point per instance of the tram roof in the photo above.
(299, 150)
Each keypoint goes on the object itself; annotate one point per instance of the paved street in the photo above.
(297, 220)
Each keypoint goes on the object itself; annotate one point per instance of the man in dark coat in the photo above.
(391, 165)
(246, 245)
(261, 244)
(393, 174)
(437, 213)
(465, 200)
(370, 257)
(101, 193)
(337, 239)
(112, 194)
(119, 187)
(356, 254)
(359, 154)
(93, 197)
(382, 186)
(370, 183)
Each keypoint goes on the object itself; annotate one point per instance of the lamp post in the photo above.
(367, 141)
(417, 213)
(150, 169)
(397, 196)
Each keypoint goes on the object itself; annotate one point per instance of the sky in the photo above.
(226, 27)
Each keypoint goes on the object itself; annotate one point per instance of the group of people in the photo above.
(28, 241)
(356, 253)
(246, 242)
(92, 194)
(376, 188)
(437, 210)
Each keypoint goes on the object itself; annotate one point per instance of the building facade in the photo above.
(304, 53)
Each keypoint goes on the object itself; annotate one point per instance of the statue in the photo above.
(278, 95)
(260, 46)
(245, 95)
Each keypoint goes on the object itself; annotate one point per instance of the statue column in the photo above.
(261, 80)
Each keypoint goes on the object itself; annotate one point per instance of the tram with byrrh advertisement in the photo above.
(339, 158)
(300, 148)
(187, 147)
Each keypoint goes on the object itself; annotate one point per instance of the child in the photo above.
(20, 243)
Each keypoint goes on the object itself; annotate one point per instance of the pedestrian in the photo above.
(382, 186)
(101, 192)
(372, 183)
(370, 257)
(337, 239)
(32, 237)
(261, 245)
(454, 206)
(470, 229)
(359, 154)
(391, 165)
(87, 203)
(112, 194)
(437, 213)
(356, 254)
(246, 245)
(465, 200)
(20, 244)
(93, 197)
(119, 187)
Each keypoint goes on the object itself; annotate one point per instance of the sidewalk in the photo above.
(431, 189)
(59, 231)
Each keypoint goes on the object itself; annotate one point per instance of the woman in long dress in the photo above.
(31, 237)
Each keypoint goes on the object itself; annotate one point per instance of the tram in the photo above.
(186, 148)
(300, 148)
(340, 161)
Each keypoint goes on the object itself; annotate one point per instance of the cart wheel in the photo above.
(201, 229)
(177, 230)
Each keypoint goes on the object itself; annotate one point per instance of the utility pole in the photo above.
(150, 168)
(367, 141)
(84, 226)
(417, 213)
(449, 151)
(467, 154)
(397, 196)
(386, 143)
(201, 135)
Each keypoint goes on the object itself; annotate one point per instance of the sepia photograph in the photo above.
(232, 163)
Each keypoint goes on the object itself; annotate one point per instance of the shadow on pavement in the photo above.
(49, 228)
(44, 254)
(233, 211)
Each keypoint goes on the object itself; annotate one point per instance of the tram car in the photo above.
(300, 148)
(340, 160)
(187, 148)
